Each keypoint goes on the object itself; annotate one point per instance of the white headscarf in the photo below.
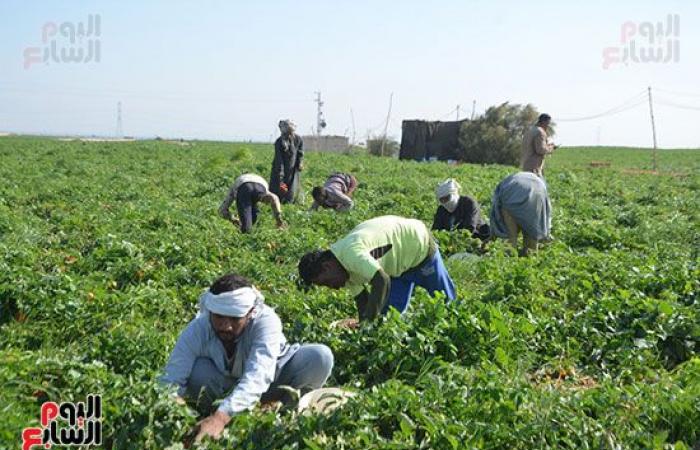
(448, 188)
(287, 126)
(232, 303)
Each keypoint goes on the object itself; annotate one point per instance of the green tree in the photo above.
(496, 136)
(383, 146)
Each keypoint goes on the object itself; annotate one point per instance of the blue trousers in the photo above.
(308, 369)
(431, 275)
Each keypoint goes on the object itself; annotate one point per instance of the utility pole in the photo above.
(320, 123)
(120, 130)
(386, 125)
(473, 109)
(653, 128)
(352, 117)
(457, 112)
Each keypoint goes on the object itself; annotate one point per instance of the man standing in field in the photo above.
(388, 254)
(247, 191)
(336, 193)
(536, 145)
(288, 163)
(235, 349)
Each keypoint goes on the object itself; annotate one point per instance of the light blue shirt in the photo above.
(261, 351)
(525, 196)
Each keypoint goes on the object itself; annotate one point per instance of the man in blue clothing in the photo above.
(235, 349)
(380, 262)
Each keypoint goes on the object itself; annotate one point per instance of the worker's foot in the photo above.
(280, 397)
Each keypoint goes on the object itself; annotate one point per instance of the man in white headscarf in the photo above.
(457, 212)
(288, 163)
(235, 349)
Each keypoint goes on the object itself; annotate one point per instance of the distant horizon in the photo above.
(107, 138)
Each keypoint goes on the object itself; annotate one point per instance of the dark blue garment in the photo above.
(247, 198)
(431, 275)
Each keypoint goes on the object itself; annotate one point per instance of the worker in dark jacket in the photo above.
(288, 162)
(458, 212)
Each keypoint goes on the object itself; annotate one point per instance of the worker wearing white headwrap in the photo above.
(206, 365)
(236, 303)
(287, 126)
(458, 212)
(285, 177)
(448, 194)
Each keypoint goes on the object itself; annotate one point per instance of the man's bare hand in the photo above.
(213, 426)
(349, 323)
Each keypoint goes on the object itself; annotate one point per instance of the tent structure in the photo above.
(424, 140)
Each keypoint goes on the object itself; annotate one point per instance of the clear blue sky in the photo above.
(231, 70)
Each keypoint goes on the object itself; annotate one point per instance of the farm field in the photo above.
(594, 342)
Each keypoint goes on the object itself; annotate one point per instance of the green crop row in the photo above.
(594, 342)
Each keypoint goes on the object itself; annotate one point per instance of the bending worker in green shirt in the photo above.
(388, 254)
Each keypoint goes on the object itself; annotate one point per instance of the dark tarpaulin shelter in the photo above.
(422, 139)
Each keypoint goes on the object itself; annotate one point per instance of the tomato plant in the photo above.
(591, 343)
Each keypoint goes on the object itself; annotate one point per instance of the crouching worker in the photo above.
(235, 349)
(247, 191)
(336, 193)
(458, 212)
(380, 262)
(521, 203)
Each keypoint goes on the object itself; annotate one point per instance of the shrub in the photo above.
(496, 136)
(390, 147)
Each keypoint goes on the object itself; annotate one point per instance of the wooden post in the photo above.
(653, 129)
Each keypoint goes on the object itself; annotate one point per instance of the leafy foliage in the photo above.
(383, 146)
(496, 136)
(592, 343)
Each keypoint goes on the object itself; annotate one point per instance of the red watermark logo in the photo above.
(67, 424)
(67, 42)
(646, 42)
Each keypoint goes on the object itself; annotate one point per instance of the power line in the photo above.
(682, 94)
(386, 126)
(449, 113)
(164, 96)
(678, 105)
(628, 104)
